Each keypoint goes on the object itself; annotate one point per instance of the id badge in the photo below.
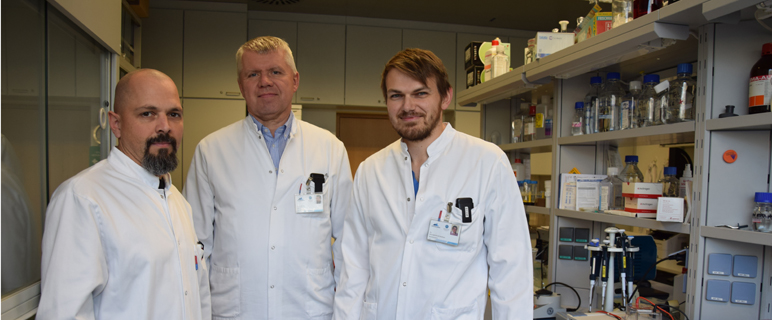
(309, 203)
(444, 232)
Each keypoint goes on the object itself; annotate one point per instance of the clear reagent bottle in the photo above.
(762, 212)
(610, 102)
(591, 106)
(682, 95)
(647, 101)
(631, 173)
(577, 123)
(669, 183)
(611, 191)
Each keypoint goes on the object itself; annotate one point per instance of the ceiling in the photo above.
(534, 15)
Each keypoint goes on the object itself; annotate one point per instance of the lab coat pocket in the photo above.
(469, 235)
(321, 290)
(225, 292)
(369, 311)
(468, 312)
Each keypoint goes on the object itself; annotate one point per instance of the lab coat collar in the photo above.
(120, 160)
(290, 131)
(437, 146)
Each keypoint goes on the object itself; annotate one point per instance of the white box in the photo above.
(548, 43)
(641, 205)
(670, 209)
(641, 190)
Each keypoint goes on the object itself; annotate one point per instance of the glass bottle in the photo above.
(670, 183)
(611, 192)
(681, 94)
(762, 213)
(760, 87)
(610, 102)
(628, 118)
(517, 125)
(643, 7)
(647, 101)
(529, 128)
(631, 173)
(591, 106)
(577, 124)
(621, 12)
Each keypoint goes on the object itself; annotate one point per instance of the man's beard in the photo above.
(414, 132)
(163, 162)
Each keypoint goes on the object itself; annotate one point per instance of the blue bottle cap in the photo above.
(765, 197)
(670, 171)
(579, 105)
(631, 158)
(595, 80)
(613, 75)
(684, 68)
(520, 183)
(651, 78)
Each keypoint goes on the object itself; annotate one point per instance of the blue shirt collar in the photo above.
(283, 130)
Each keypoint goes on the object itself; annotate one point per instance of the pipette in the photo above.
(622, 243)
(595, 256)
(604, 270)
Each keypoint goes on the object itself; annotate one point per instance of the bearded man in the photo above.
(119, 241)
(438, 216)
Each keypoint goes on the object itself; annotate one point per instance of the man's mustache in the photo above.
(163, 138)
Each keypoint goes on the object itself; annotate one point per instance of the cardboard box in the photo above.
(670, 245)
(641, 205)
(641, 190)
(473, 76)
(548, 43)
(472, 55)
(603, 22)
(670, 209)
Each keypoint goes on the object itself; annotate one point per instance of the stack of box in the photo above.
(473, 64)
(641, 198)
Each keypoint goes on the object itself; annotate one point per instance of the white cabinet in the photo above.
(211, 40)
(368, 49)
(286, 30)
(202, 117)
(162, 43)
(443, 44)
(61, 66)
(321, 61)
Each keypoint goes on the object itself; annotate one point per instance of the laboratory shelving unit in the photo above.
(711, 34)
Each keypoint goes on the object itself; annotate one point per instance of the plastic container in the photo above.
(627, 115)
(685, 180)
(644, 7)
(517, 124)
(519, 168)
(591, 106)
(611, 192)
(487, 72)
(542, 115)
(728, 113)
(577, 123)
(610, 103)
(499, 62)
(762, 212)
(647, 101)
(760, 89)
(631, 173)
(621, 12)
(529, 128)
(681, 97)
(670, 183)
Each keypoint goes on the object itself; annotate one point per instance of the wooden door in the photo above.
(364, 135)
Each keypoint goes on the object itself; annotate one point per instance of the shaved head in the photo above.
(126, 89)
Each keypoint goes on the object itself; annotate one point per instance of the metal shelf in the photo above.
(539, 210)
(536, 146)
(629, 221)
(759, 121)
(718, 8)
(744, 236)
(682, 132)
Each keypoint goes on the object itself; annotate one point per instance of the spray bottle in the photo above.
(685, 179)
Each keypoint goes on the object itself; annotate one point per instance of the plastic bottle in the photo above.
(621, 12)
(519, 169)
(728, 113)
(669, 183)
(760, 89)
(591, 106)
(762, 213)
(610, 103)
(628, 119)
(499, 61)
(643, 7)
(487, 74)
(542, 114)
(686, 179)
(647, 101)
(577, 123)
(681, 94)
(517, 124)
(611, 192)
(529, 129)
(631, 173)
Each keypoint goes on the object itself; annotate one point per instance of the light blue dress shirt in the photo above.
(278, 141)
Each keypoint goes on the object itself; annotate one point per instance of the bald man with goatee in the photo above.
(119, 241)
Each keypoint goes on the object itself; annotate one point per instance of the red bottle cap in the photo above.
(766, 49)
(518, 161)
(532, 112)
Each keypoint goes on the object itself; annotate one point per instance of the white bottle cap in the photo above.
(563, 25)
(635, 85)
(612, 171)
(688, 171)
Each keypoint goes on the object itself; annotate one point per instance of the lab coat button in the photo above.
(274, 208)
(282, 170)
(270, 171)
(422, 198)
(271, 286)
(404, 284)
(411, 241)
(408, 199)
(186, 293)
(273, 247)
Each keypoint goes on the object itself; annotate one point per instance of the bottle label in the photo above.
(540, 120)
(604, 196)
(760, 91)
(626, 114)
(529, 130)
(662, 86)
(576, 124)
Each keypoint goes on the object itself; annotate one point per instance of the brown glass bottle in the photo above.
(760, 91)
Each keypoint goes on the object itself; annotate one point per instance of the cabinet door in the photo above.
(286, 30)
(162, 43)
(443, 44)
(321, 59)
(368, 49)
(202, 117)
(211, 40)
(61, 65)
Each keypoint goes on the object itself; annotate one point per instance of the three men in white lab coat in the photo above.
(437, 215)
(119, 241)
(254, 185)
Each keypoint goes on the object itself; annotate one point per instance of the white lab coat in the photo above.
(266, 260)
(391, 270)
(117, 247)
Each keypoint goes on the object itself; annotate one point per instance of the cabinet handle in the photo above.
(308, 98)
(232, 93)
